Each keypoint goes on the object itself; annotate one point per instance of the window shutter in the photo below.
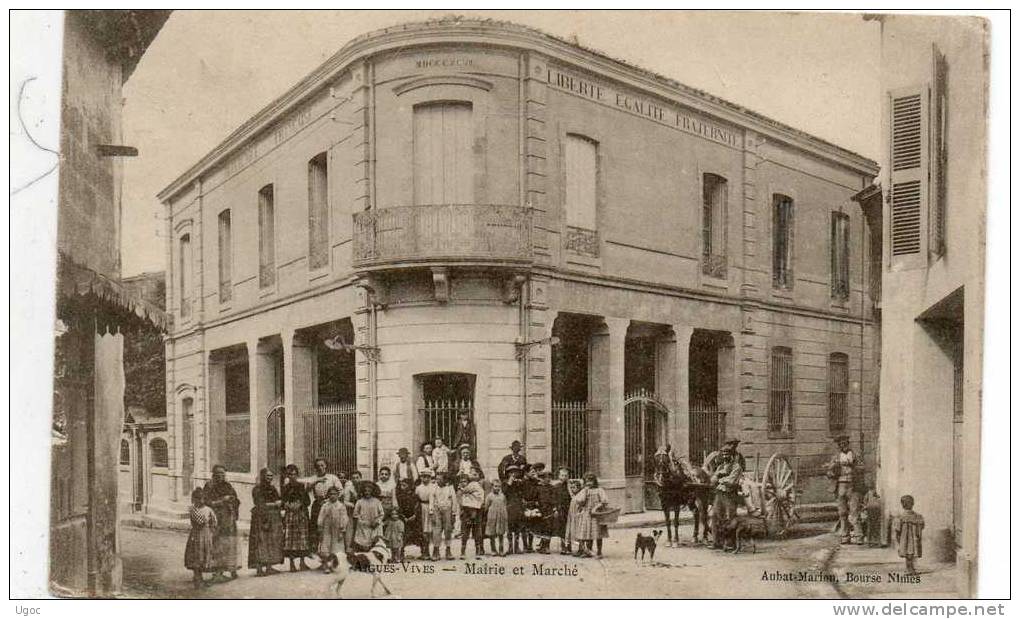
(908, 192)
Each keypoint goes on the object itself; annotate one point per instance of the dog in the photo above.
(742, 528)
(646, 543)
(370, 561)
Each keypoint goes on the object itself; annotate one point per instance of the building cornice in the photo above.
(521, 38)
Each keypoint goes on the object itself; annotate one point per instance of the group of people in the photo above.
(423, 502)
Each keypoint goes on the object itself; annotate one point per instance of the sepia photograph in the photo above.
(514, 304)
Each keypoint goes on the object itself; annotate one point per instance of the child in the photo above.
(588, 500)
(444, 507)
(333, 524)
(871, 516)
(393, 531)
(425, 493)
(387, 487)
(907, 528)
(561, 496)
(441, 454)
(573, 516)
(496, 517)
(368, 516)
(295, 518)
(350, 498)
(198, 554)
(514, 508)
(470, 498)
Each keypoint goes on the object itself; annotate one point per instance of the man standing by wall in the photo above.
(846, 472)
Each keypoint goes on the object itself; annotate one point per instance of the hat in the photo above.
(403, 450)
(545, 473)
(841, 438)
(515, 444)
(731, 441)
(424, 472)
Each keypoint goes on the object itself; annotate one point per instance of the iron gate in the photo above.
(708, 425)
(331, 432)
(438, 418)
(276, 440)
(575, 437)
(646, 428)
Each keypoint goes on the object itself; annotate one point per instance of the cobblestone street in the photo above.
(153, 567)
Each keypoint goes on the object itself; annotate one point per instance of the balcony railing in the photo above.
(442, 233)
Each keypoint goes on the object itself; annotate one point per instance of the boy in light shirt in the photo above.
(441, 453)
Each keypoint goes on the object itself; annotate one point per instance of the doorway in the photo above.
(445, 402)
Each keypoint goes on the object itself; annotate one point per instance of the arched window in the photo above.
(157, 448)
(125, 451)
(713, 225)
(839, 386)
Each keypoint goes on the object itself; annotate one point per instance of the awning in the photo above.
(75, 280)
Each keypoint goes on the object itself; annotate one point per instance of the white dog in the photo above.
(371, 562)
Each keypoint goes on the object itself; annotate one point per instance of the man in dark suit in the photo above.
(514, 458)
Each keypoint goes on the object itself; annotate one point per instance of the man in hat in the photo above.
(465, 463)
(733, 443)
(726, 484)
(514, 458)
(404, 468)
(845, 471)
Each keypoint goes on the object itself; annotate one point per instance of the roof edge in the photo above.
(512, 35)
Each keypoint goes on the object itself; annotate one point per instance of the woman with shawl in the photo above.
(265, 547)
(294, 494)
(221, 497)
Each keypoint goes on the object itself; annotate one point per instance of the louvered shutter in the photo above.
(909, 160)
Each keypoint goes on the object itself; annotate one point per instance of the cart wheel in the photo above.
(780, 495)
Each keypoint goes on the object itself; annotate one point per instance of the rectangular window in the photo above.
(780, 420)
(443, 154)
(267, 238)
(185, 274)
(713, 225)
(224, 254)
(580, 161)
(839, 386)
(839, 248)
(318, 212)
(237, 423)
(782, 241)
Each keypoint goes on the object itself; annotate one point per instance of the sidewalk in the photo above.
(878, 573)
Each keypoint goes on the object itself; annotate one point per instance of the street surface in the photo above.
(154, 567)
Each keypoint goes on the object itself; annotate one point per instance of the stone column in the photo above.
(215, 418)
(262, 398)
(728, 395)
(681, 423)
(606, 389)
(298, 396)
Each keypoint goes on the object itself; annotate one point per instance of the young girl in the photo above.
(333, 524)
(573, 516)
(368, 516)
(295, 518)
(198, 554)
(561, 496)
(496, 517)
(387, 487)
(393, 531)
(589, 500)
(907, 528)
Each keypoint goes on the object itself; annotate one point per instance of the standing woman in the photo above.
(264, 541)
(221, 497)
(296, 544)
(198, 554)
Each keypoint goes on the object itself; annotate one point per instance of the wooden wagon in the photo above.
(771, 493)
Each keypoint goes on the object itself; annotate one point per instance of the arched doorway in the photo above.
(646, 428)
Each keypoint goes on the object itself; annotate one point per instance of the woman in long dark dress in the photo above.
(222, 498)
(296, 543)
(265, 547)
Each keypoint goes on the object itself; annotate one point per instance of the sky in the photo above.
(209, 71)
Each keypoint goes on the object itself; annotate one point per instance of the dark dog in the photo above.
(646, 543)
(743, 528)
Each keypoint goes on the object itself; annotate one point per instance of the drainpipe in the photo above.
(523, 363)
(373, 341)
(864, 285)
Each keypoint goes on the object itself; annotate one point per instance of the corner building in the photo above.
(467, 216)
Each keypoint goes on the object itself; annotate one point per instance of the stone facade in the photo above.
(466, 297)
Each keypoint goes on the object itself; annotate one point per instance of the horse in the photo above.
(680, 487)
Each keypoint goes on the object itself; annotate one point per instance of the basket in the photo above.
(606, 515)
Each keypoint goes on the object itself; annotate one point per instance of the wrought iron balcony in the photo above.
(482, 234)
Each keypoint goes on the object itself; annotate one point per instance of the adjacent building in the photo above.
(931, 209)
(93, 311)
(475, 217)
